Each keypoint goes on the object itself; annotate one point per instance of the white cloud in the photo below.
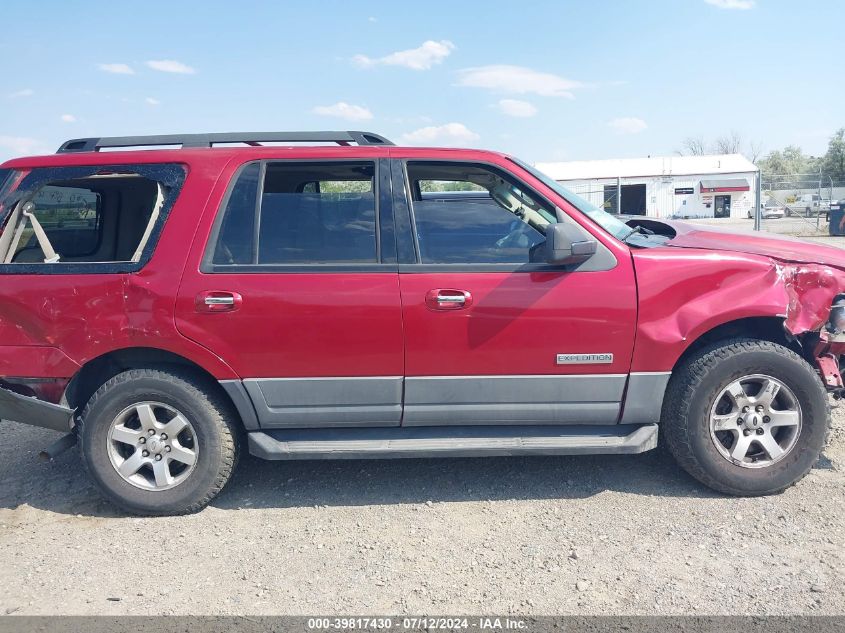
(116, 69)
(21, 145)
(732, 4)
(449, 134)
(170, 66)
(517, 108)
(421, 58)
(26, 92)
(151, 101)
(517, 80)
(68, 118)
(344, 110)
(372, 19)
(627, 125)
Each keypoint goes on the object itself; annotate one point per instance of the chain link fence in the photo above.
(794, 204)
(798, 204)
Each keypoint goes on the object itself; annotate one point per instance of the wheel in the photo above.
(158, 442)
(746, 417)
(808, 212)
(787, 212)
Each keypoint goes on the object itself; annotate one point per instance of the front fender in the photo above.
(684, 294)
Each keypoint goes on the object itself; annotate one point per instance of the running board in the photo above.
(456, 441)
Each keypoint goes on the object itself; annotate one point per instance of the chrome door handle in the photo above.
(448, 299)
(457, 299)
(219, 301)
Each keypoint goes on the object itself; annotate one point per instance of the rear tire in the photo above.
(136, 464)
(707, 431)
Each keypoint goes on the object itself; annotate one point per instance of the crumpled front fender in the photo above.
(686, 293)
(811, 289)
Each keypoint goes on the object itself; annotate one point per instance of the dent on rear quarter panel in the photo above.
(683, 295)
(86, 314)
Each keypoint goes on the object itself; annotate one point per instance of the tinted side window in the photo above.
(237, 233)
(336, 224)
(308, 213)
(485, 219)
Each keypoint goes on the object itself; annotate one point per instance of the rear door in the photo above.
(490, 337)
(297, 290)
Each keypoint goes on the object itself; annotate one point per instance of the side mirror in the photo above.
(567, 243)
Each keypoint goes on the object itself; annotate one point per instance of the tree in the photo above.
(693, 146)
(833, 163)
(729, 144)
(788, 162)
(755, 151)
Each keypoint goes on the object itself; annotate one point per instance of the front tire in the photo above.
(159, 442)
(746, 417)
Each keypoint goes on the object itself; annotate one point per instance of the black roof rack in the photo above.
(209, 140)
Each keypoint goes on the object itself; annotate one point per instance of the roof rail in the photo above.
(209, 140)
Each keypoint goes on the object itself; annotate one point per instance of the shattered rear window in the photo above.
(52, 219)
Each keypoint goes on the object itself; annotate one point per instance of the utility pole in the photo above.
(758, 213)
(819, 214)
(618, 196)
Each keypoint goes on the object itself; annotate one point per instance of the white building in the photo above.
(664, 186)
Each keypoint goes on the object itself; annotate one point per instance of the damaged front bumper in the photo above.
(816, 306)
(30, 410)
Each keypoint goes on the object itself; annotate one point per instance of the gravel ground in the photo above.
(565, 535)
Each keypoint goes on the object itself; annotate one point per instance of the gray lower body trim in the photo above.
(474, 441)
(243, 403)
(544, 399)
(326, 402)
(644, 398)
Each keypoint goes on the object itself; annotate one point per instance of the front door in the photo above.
(293, 294)
(723, 207)
(491, 338)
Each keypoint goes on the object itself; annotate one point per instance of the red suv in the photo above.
(164, 308)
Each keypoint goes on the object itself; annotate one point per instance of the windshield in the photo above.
(609, 223)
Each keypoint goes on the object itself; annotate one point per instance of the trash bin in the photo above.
(837, 214)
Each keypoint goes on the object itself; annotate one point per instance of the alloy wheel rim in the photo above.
(755, 421)
(152, 446)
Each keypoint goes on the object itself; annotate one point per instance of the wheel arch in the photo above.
(95, 372)
(764, 328)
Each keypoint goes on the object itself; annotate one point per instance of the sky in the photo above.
(544, 80)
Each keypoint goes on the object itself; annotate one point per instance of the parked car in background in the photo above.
(771, 209)
(808, 204)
